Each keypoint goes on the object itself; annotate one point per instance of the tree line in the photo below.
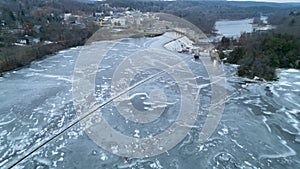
(260, 53)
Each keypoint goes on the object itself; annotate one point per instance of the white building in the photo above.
(67, 16)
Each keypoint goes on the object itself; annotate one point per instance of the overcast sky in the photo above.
(281, 1)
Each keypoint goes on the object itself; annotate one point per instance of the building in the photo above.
(67, 16)
(28, 40)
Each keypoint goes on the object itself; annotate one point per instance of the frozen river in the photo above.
(234, 28)
(259, 127)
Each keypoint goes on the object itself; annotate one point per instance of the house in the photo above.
(107, 17)
(67, 16)
(3, 23)
(28, 40)
(22, 41)
(98, 14)
(36, 40)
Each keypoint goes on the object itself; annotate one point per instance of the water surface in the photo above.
(259, 127)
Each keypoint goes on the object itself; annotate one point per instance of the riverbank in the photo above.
(15, 57)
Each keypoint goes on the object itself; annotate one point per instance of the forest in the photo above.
(260, 53)
(42, 21)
